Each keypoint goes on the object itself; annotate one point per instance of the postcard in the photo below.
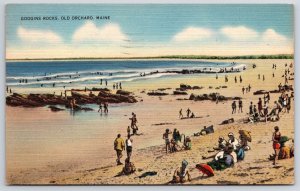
(149, 94)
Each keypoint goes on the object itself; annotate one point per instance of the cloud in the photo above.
(270, 35)
(90, 32)
(239, 33)
(38, 36)
(193, 34)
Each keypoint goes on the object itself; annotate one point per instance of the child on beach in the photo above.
(181, 173)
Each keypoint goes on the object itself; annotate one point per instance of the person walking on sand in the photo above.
(167, 140)
(240, 106)
(243, 90)
(188, 111)
(119, 146)
(235, 80)
(233, 105)
(100, 108)
(241, 80)
(133, 123)
(128, 143)
(180, 114)
(249, 87)
(276, 143)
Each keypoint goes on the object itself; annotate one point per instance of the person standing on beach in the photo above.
(263, 77)
(266, 112)
(119, 146)
(233, 105)
(276, 145)
(188, 111)
(260, 107)
(128, 130)
(259, 76)
(167, 140)
(240, 106)
(251, 108)
(180, 114)
(241, 80)
(235, 80)
(105, 105)
(105, 82)
(100, 81)
(128, 143)
(120, 85)
(243, 90)
(249, 87)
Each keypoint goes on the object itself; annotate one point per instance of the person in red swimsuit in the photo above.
(276, 145)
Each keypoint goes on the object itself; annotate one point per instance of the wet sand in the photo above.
(58, 148)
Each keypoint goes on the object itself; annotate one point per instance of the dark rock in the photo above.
(154, 93)
(55, 109)
(123, 92)
(179, 93)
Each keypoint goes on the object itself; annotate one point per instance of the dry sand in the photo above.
(148, 152)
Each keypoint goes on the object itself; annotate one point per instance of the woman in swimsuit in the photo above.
(276, 145)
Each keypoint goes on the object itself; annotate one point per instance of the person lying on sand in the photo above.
(181, 174)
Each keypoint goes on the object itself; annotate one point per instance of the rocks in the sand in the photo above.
(179, 93)
(211, 97)
(227, 121)
(55, 109)
(40, 100)
(123, 92)
(156, 93)
(259, 92)
(184, 87)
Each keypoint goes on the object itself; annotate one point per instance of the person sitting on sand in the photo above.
(119, 146)
(221, 144)
(181, 173)
(129, 167)
(284, 152)
(233, 141)
(187, 143)
(167, 140)
(192, 115)
(276, 145)
(174, 146)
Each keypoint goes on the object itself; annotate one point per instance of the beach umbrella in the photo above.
(205, 169)
(246, 134)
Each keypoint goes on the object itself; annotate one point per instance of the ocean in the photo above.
(75, 73)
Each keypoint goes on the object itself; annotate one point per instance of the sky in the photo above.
(148, 30)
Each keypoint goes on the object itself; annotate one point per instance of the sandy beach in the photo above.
(78, 148)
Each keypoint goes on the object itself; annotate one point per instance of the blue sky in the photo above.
(149, 30)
